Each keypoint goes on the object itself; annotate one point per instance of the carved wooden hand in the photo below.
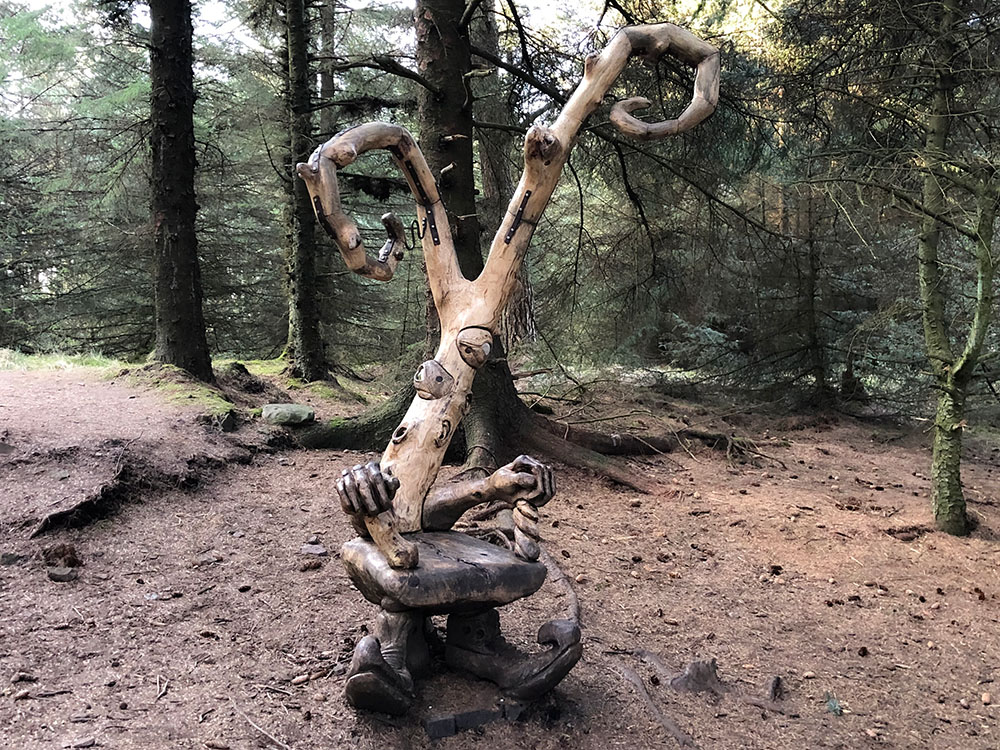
(525, 478)
(366, 495)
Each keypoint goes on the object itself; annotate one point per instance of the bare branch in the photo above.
(387, 64)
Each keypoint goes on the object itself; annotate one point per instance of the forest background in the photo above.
(825, 240)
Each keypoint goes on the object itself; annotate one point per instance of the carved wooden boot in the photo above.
(476, 645)
(381, 674)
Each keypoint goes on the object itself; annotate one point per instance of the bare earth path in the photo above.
(191, 620)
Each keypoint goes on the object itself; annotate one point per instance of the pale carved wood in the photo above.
(470, 309)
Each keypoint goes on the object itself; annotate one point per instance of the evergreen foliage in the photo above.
(769, 250)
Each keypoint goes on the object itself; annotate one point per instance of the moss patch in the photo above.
(179, 387)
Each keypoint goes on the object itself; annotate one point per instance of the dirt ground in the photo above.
(192, 624)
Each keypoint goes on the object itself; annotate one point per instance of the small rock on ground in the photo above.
(62, 575)
(285, 414)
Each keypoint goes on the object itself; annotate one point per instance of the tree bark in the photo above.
(947, 497)
(327, 75)
(306, 352)
(444, 120)
(823, 394)
(180, 324)
(368, 431)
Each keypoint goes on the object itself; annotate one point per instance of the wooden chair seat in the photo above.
(456, 573)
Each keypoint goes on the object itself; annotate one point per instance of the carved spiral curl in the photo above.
(526, 536)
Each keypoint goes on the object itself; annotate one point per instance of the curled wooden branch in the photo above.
(652, 42)
(320, 176)
(546, 149)
(395, 246)
(470, 309)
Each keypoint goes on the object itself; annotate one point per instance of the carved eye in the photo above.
(474, 345)
(432, 380)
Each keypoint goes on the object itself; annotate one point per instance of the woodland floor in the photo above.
(191, 618)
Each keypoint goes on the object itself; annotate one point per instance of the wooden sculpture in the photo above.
(406, 559)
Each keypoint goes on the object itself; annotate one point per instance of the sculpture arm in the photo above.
(320, 176)
(523, 479)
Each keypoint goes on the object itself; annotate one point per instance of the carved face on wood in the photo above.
(474, 345)
(432, 381)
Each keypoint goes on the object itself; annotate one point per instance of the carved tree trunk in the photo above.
(470, 309)
(498, 416)
(445, 120)
(180, 325)
(305, 352)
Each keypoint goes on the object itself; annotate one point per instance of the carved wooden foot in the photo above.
(380, 678)
(476, 645)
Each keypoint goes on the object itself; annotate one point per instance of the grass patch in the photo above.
(258, 367)
(13, 360)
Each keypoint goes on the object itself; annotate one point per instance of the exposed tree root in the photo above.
(669, 725)
(560, 579)
(501, 426)
(368, 431)
(132, 476)
(621, 444)
(543, 442)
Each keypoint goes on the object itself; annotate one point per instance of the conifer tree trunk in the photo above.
(327, 81)
(445, 124)
(180, 324)
(946, 484)
(445, 121)
(305, 352)
(817, 359)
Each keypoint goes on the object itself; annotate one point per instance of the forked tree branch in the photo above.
(470, 310)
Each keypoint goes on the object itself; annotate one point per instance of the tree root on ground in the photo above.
(619, 444)
(669, 725)
(526, 432)
(584, 458)
(368, 431)
(560, 579)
